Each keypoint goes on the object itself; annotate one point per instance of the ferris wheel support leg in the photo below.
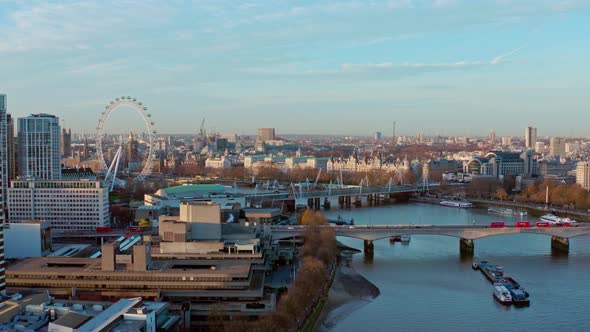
(112, 164)
(116, 169)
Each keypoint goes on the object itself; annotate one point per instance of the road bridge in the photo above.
(467, 234)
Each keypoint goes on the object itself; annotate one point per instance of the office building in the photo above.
(583, 174)
(377, 136)
(530, 137)
(539, 147)
(506, 141)
(501, 163)
(11, 144)
(3, 185)
(266, 134)
(39, 147)
(492, 136)
(67, 205)
(66, 143)
(557, 146)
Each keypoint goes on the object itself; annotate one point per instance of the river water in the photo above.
(427, 286)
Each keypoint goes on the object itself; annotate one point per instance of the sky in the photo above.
(448, 67)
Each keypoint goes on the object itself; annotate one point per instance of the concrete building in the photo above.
(218, 162)
(539, 147)
(572, 147)
(266, 134)
(66, 143)
(3, 184)
(583, 174)
(68, 205)
(507, 141)
(377, 136)
(555, 168)
(500, 163)
(530, 137)
(557, 146)
(172, 197)
(39, 147)
(31, 238)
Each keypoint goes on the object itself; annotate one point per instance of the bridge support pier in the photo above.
(348, 200)
(358, 202)
(560, 244)
(369, 248)
(466, 246)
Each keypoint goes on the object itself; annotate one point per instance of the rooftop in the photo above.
(190, 188)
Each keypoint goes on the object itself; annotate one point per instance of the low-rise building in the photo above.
(501, 163)
(30, 238)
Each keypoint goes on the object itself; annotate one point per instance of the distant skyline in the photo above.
(449, 67)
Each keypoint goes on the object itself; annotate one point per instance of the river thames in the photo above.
(426, 285)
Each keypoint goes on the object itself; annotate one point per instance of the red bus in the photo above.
(542, 224)
(135, 229)
(523, 224)
(103, 229)
(497, 224)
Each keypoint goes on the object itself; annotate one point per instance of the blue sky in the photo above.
(332, 67)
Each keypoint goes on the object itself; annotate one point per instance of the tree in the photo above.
(501, 194)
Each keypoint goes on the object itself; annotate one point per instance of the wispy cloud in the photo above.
(500, 58)
(348, 67)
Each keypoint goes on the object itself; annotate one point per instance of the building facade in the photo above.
(357, 163)
(266, 134)
(3, 185)
(499, 163)
(68, 205)
(583, 174)
(530, 137)
(39, 147)
(66, 143)
(557, 146)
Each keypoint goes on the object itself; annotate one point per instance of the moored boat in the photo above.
(457, 204)
(502, 294)
(493, 272)
(519, 295)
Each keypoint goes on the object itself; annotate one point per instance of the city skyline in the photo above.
(428, 65)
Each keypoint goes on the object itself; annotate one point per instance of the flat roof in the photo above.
(188, 188)
(72, 320)
(170, 267)
(110, 314)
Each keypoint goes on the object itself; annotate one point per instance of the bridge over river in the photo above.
(559, 235)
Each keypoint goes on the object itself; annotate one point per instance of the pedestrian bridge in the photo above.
(467, 234)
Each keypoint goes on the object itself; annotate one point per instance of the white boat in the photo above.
(506, 211)
(551, 218)
(502, 294)
(457, 204)
(405, 238)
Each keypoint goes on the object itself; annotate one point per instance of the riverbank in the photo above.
(350, 291)
(532, 209)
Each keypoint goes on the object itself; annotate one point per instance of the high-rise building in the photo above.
(583, 174)
(557, 146)
(507, 141)
(11, 149)
(492, 136)
(539, 147)
(530, 137)
(39, 147)
(66, 143)
(377, 136)
(266, 134)
(3, 185)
